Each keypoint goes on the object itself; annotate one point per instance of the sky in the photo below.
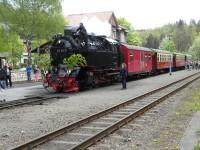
(142, 14)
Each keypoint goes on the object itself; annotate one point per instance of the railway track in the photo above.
(84, 133)
(24, 101)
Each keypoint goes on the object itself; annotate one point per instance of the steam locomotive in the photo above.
(103, 56)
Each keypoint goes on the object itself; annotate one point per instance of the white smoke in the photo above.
(95, 26)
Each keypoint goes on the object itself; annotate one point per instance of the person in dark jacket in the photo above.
(82, 32)
(8, 75)
(2, 78)
(123, 73)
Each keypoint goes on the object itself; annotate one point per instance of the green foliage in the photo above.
(124, 23)
(152, 41)
(195, 48)
(182, 36)
(198, 132)
(42, 61)
(133, 38)
(197, 147)
(75, 60)
(33, 19)
(198, 27)
(194, 103)
(168, 45)
(180, 33)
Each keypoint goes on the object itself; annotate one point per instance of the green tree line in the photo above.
(178, 36)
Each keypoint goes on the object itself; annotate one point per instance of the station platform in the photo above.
(25, 89)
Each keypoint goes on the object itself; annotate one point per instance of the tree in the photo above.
(195, 48)
(133, 37)
(198, 27)
(12, 45)
(15, 49)
(168, 45)
(182, 36)
(32, 19)
(152, 41)
(42, 61)
(124, 23)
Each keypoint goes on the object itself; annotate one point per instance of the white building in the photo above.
(99, 23)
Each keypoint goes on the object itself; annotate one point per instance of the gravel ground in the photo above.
(21, 124)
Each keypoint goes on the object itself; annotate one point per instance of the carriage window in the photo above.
(146, 57)
(158, 57)
(131, 56)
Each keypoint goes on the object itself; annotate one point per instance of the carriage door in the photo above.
(141, 60)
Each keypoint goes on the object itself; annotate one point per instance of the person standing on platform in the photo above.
(2, 78)
(36, 73)
(123, 73)
(28, 72)
(8, 75)
(2, 84)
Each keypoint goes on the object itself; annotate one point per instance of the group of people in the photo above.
(193, 65)
(35, 70)
(5, 77)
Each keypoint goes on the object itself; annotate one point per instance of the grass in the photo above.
(197, 148)
(198, 132)
(198, 145)
(194, 104)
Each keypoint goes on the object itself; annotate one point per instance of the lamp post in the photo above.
(170, 64)
(171, 58)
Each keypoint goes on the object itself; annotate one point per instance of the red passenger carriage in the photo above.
(138, 59)
(179, 60)
(161, 60)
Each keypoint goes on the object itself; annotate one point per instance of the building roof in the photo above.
(162, 51)
(75, 19)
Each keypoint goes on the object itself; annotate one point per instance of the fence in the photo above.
(21, 76)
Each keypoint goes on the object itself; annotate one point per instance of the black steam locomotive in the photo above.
(101, 53)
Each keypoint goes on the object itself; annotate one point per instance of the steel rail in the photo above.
(23, 101)
(47, 137)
